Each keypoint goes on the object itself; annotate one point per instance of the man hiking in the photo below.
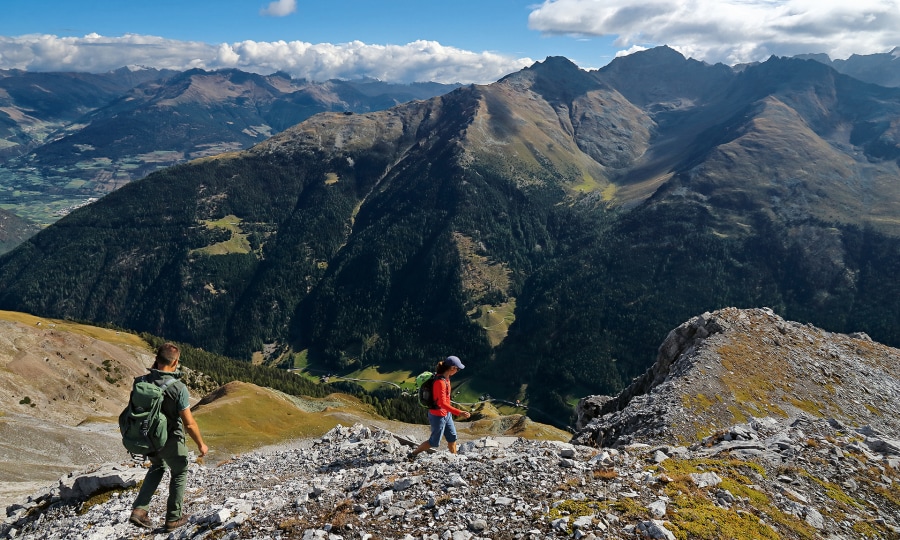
(174, 455)
(441, 418)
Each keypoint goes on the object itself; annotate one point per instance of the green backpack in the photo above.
(424, 390)
(143, 425)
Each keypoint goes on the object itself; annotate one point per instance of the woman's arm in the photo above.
(442, 397)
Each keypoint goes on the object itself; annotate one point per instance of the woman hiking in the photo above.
(441, 418)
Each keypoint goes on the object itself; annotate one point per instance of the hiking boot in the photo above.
(172, 525)
(140, 518)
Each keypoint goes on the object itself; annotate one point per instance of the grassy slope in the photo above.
(104, 334)
(239, 417)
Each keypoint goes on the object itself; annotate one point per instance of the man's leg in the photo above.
(151, 482)
(179, 467)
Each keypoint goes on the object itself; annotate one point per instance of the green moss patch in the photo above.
(694, 515)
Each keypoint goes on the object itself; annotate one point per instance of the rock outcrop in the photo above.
(724, 367)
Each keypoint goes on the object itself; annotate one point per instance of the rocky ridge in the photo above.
(769, 478)
(724, 367)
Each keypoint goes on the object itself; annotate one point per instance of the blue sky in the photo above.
(405, 40)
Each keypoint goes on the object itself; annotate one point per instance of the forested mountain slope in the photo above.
(14, 230)
(548, 228)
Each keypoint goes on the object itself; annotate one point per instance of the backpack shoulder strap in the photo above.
(440, 378)
(164, 384)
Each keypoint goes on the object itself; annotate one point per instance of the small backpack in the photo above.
(424, 389)
(143, 425)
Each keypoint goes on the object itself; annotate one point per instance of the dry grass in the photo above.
(491, 423)
(534, 151)
(605, 474)
(104, 334)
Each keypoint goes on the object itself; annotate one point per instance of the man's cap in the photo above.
(454, 361)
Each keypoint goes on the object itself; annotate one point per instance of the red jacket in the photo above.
(441, 390)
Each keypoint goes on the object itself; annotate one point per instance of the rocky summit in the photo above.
(769, 478)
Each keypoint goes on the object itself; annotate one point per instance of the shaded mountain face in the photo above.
(14, 230)
(40, 108)
(71, 138)
(662, 79)
(34, 105)
(549, 228)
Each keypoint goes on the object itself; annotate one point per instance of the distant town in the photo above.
(65, 211)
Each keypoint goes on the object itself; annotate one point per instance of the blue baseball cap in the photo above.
(454, 361)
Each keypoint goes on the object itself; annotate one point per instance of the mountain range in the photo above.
(880, 68)
(69, 138)
(548, 228)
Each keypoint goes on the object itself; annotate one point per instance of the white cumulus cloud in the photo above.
(95, 53)
(280, 8)
(412, 62)
(730, 31)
